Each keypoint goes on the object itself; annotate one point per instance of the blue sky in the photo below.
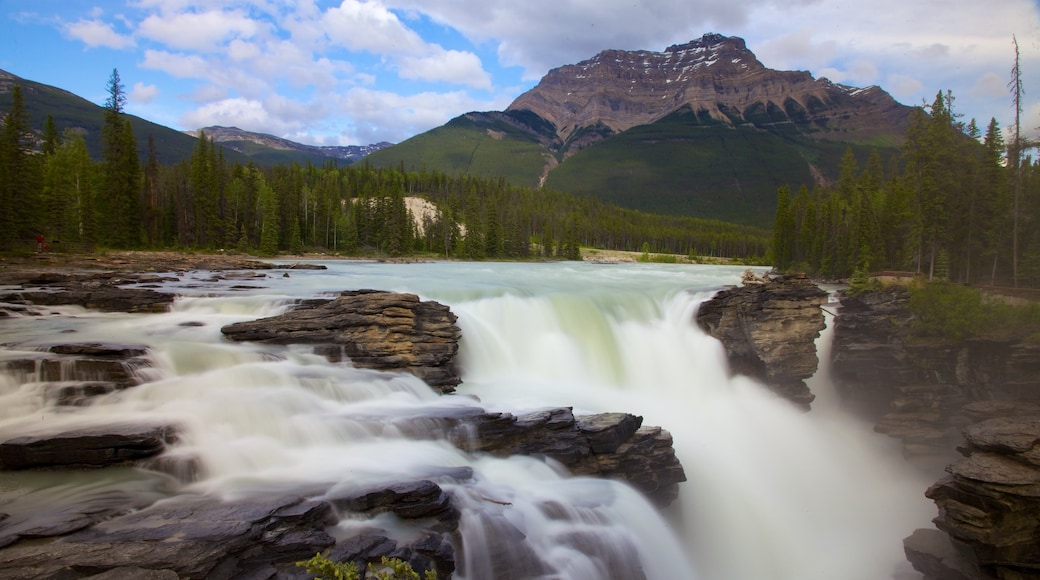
(343, 72)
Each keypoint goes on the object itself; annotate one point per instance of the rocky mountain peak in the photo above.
(716, 77)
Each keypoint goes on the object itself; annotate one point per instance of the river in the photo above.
(773, 493)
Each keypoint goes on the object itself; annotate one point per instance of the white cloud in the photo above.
(902, 86)
(203, 31)
(178, 65)
(990, 84)
(452, 66)
(369, 26)
(238, 112)
(142, 93)
(95, 33)
(386, 116)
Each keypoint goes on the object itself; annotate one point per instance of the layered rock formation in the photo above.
(933, 395)
(989, 506)
(769, 329)
(715, 76)
(377, 330)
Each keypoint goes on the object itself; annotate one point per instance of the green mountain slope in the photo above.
(474, 145)
(681, 165)
(73, 112)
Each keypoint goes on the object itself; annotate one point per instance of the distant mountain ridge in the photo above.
(701, 129)
(717, 78)
(247, 141)
(75, 113)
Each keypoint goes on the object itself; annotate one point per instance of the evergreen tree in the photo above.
(118, 201)
(784, 234)
(69, 193)
(19, 177)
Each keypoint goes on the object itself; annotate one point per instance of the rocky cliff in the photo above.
(716, 77)
(979, 396)
(769, 329)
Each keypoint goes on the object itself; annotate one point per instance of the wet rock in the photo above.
(409, 500)
(611, 445)
(377, 330)
(769, 331)
(105, 299)
(195, 537)
(869, 361)
(89, 447)
(933, 554)
(989, 505)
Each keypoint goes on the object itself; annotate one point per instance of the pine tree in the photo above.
(19, 177)
(119, 198)
(784, 232)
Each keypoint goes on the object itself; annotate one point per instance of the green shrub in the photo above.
(388, 569)
(944, 310)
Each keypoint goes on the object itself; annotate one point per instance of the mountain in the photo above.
(70, 111)
(268, 149)
(702, 129)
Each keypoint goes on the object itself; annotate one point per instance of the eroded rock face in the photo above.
(925, 392)
(769, 331)
(374, 329)
(933, 395)
(989, 505)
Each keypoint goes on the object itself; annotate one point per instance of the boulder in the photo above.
(88, 447)
(769, 330)
(373, 329)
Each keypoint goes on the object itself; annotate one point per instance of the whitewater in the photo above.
(772, 492)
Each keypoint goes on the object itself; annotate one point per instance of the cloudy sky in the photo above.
(340, 72)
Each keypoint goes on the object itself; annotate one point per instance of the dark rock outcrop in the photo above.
(769, 329)
(926, 391)
(195, 537)
(374, 329)
(105, 299)
(88, 447)
(989, 505)
(610, 445)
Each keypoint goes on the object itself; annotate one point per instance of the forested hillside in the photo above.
(56, 189)
(964, 206)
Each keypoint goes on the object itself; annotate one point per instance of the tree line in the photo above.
(49, 184)
(958, 204)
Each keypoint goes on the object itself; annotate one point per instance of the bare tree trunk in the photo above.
(1016, 149)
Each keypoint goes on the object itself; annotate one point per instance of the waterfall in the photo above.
(773, 493)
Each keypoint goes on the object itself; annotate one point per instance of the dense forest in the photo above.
(960, 204)
(49, 185)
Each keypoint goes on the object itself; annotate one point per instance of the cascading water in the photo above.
(773, 493)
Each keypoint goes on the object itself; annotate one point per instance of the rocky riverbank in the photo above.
(979, 397)
(107, 532)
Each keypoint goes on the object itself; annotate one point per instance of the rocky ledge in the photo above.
(373, 329)
(989, 507)
(769, 328)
